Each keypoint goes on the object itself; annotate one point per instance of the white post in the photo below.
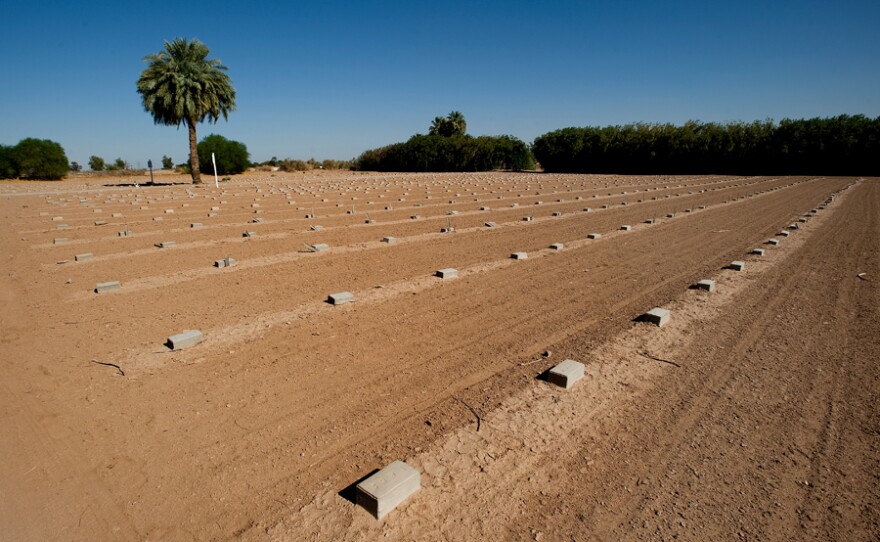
(216, 181)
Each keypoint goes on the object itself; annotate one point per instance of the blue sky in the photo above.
(332, 79)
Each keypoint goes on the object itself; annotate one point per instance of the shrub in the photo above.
(448, 153)
(231, 156)
(39, 159)
(96, 163)
(7, 166)
(167, 162)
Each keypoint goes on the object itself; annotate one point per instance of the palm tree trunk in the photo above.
(193, 153)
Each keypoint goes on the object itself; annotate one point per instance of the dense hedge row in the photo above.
(453, 153)
(844, 145)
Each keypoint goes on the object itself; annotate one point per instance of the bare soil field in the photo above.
(754, 414)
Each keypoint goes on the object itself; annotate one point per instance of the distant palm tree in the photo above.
(459, 125)
(182, 85)
(453, 125)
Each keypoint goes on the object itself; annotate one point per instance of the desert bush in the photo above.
(167, 162)
(96, 163)
(39, 159)
(232, 156)
(289, 164)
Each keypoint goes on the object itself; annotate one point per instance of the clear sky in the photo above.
(331, 79)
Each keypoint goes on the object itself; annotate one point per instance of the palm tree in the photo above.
(459, 125)
(182, 85)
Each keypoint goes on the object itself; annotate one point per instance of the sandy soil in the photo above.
(753, 415)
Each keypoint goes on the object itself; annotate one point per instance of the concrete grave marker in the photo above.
(340, 298)
(385, 490)
(565, 374)
(706, 284)
(557, 246)
(446, 273)
(519, 255)
(656, 316)
(626, 227)
(249, 234)
(82, 257)
(166, 244)
(594, 235)
(186, 339)
(225, 262)
(758, 251)
(737, 265)
(389, 240)
(102, 287)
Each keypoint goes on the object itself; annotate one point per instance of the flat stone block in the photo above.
(340, 298)
(557, 246)
(519, 255)
(737, 265)
(485, 208)
(59, 240)
(166, 244)
(385, 490)
(650, 221)
(489, 224)
(773, 242)
(82, 257)
(706, 284)
(587, 209)
(116, 215)
(187, 338)
(389, 240)
(594, 235)
(557, 213)
(656, 316)
(783, 233)
(124, 233)
(249, 234)
(195, 225)
(102, 287)
(157, 219)
(57, 218)
(758, 251)
(447, 229)
(318, 247)
(626, 227)
(527, 219)
(225, 262)
(566, 373)
(257, 220)
(414, 217)
(447, 273)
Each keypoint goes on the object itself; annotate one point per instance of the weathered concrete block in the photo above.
(485, 208)
(316, 228)
(447, 229)
(566, 373)
(557, 213)
(389, 240)
(519, 255)
(706, 284)
(82, 257)
(186, 339)
(489, 224)
(557, 246)
(773, 242)
(59, 240)
(340, 298)
(257, 220)
(157, 219)
(225, 262)
(650, 221)
(758, 251)
(310, 215)
(319, 247)
(656, 316)
(527, 219)
(124, 233)
(102, 287)
(100, 222)
(414, 217)
(626, 227)
(116, 215)
(195, 225)
(737, 265)
(249, 234)
(783, 233)
(594, 235)
(166, 244)
(447, 273)
(587, 209)
(57, 218)
(385, 490)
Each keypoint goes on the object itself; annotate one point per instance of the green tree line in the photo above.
(33, 158)
(843, 145)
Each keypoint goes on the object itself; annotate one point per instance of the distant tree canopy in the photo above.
(38, 159)
(843, 145)
(453, 153)
(448, 148)
(232, 156)
(167, 162)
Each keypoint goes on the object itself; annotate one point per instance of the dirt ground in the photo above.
(754, 414)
